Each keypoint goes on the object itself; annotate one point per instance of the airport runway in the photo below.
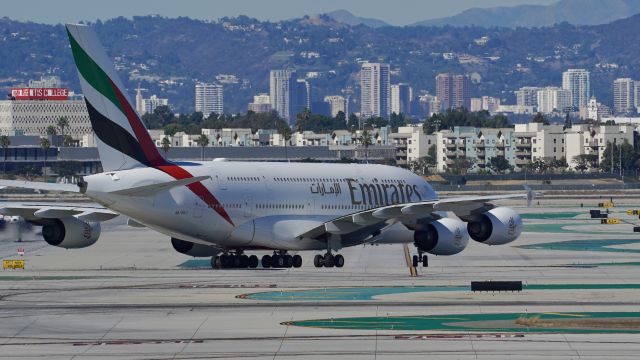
(132, 296)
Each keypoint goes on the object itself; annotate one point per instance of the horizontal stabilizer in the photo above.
(147, 190)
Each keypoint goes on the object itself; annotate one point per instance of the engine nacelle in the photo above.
(497, 226)
(70, 233)
(193, 249)
(444, 236)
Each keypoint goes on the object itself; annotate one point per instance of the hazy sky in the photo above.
(395, 12)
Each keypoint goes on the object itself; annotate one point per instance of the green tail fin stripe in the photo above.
(92, 72)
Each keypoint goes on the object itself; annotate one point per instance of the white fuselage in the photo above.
(268, 204)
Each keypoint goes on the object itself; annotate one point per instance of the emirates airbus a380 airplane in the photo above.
(223, 208)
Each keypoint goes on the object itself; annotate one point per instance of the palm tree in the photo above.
(286, 134)
(366, 140)
(166, 145)
(4, 142)
(203, 141)
(45, 145)
(62, 123)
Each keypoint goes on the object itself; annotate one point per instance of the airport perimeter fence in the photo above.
(540, 187)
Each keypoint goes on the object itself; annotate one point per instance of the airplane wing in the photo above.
(39, 211)
(461, 206)
(40, 185)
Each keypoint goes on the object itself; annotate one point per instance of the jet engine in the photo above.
(193, 249)
(497, 226)
(445, 236)
(70, 233)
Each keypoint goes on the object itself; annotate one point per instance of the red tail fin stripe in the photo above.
(157, 161)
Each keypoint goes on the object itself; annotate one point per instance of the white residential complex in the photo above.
(209, 99)
(526, 143)
(374, 90)
(578, 83)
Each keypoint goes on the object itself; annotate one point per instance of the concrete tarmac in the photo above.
(132, 296)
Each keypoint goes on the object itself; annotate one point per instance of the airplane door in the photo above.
(222, 184)
(248, 206)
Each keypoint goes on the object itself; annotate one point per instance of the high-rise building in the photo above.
(577, 82)
(527, 96)
(282, 93)
(374, 90)
(624, 93)
(139, 103)
(261, 103)
(554, 99)
(401, 97)
(209, 99)
(150, 104)
(302, 98)
(453, 91)
(337, 104)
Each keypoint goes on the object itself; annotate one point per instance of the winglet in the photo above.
(530, 195)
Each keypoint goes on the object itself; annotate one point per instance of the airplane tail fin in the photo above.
(123, 141)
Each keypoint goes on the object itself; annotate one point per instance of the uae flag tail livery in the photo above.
(123, 141)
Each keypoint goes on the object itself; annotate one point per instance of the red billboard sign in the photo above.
(40, 93)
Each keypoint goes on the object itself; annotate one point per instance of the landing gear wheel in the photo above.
(329, 260)
(425, 261)
(215, 262)
(288, 261)
(297, 261)
(266, 261)
(318, 261)
(415, 261)
(278, 261)
(252, 261)
(339, 260)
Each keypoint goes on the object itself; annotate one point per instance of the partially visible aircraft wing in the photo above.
(37, 211)
(461, 206)
(40, 185)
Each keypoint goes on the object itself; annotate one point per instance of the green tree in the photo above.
(202, 141)
(584, 162)
(366, 140)
(432, 155)
(45, 145)
(52, 131)
(420, 166)
(62, 124)
(616, 155)
(499, 164)
(286, 135)
(5, 142)
(353, 122)
(166, 145)
(460, 166)
(67, 140)
(539, 118)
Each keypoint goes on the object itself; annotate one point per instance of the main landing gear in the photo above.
(234, 261)
(328, 260)
(281, 260)
(420, 258)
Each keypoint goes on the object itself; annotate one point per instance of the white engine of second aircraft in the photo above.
(70, 233)
(445, 236)
(497, 226)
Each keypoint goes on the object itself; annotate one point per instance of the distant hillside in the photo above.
(348, 18)
(168, 56)
(577, 12)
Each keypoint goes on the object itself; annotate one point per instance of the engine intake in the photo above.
(193, 249)
(497, 226)
(444, 236)
(70, 233)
